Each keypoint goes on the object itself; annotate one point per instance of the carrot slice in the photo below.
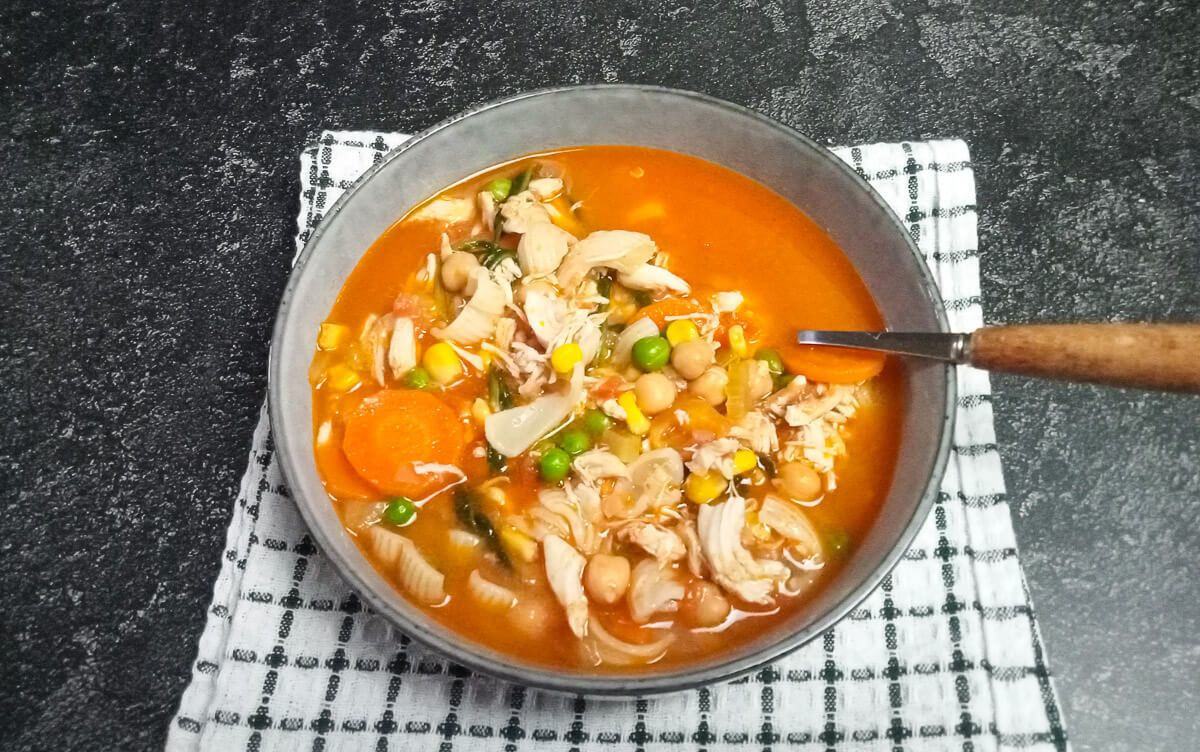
(392, 430)
(833, 365)
(660, 311)
(341, 480)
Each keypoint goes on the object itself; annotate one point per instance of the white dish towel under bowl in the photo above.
(945, 655)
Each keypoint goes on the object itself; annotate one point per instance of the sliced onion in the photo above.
(643, 327)
(512, 431)
(620, 653)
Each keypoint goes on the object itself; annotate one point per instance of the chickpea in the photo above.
(655, 393)
(800, 481)
(607, 578)
(532, 616)
(692, 358)
(708, 605)
(710, 386)
(457, 270)
(761, 383)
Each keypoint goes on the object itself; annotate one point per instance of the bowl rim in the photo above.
(684, 677)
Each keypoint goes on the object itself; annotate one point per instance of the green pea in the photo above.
(418, 378)
(651, 353)
(400, 511)
(772, 359)
(575, 442)
(554, 465)
(596, 422)
(500, 188)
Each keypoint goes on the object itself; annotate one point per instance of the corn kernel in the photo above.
(744, 461)
(442, 363)
(518, 545)
(485, 359)
(703, 488)
(565, 357)
(737, 341)
(757, 528)
(332, 336)
(635, 419)
(341, 377)
(681, 330)
(480, 410)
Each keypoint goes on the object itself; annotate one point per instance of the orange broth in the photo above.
(720, 231)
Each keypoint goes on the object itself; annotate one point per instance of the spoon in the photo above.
(1146, 356)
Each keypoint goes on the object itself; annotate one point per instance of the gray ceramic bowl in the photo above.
(779, 158)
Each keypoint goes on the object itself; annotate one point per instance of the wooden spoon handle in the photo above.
(1148, 356)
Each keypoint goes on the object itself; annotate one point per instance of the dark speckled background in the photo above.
(150, 166)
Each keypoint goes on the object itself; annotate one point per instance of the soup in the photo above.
(559, 406)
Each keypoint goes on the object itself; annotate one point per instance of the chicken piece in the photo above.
(543, 247)
(596, 464)
(487, 209)
(506, 329)
(727, 302)
(809, 409)
(402, 352)
(653, 590)
(620, 250)
(758, 431)
(449, 210)
(655, 279)
(523, 211)
(544, 189)
(733, 568)
(564, 572)
(664, 545)
(715, 455)
(686, 530)
(560, 503)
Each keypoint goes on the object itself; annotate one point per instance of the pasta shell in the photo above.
(416, 576)
(489, 594)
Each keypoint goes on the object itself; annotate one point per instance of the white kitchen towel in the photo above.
(945, 655)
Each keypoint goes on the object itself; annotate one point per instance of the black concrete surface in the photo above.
(146, 222)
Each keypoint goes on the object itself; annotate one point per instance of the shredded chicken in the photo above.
(656, 278)
(758, 431)
(620, 250)
(714, 455)
(558, 502)
(727, 302)
(806, 411)
(656, 540)
(523, 211)
(596, 464)
(448, 210)
(733, 568)
(542, 248)
(564, 572)
(487, 209)
(544, 189)
(653, 590)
